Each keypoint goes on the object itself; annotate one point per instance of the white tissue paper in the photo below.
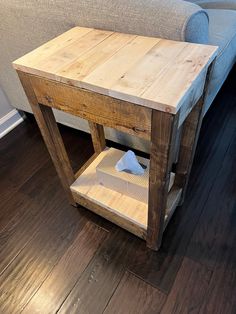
(129, 163)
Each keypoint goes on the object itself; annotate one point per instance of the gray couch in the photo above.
(29, 23)
(222, 32)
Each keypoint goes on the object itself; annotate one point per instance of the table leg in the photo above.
(52, 137)
(98, 136)
(188, 143)
(163, 131)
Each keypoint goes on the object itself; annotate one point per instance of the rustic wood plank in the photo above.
(105, 75)
(51, 135)
(197, 93)
(164, 127)
(94, 57)
(51, 47)
(135, 296)
(47, 114)
(156, 94)
(119, 208)
(122, 220)
(188, 144)
(136, 80)
(181, 83)
(67, 271)
(189, 137)
(113, 216)
(173, 199)
(97, 108)
(52, 138)
(70, 53)
(98, 136)
(99, 60)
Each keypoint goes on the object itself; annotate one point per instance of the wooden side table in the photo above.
(147, 87)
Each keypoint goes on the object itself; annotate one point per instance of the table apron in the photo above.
(105, 110)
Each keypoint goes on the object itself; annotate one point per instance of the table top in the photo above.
(148, 71)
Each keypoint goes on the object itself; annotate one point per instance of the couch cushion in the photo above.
(216, 4)
(222, 32)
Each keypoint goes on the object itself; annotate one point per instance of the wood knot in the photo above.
(138, 130)
(49, 99)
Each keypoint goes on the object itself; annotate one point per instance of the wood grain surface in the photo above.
(94, 107)
(105, 267)
(137, 69)
(134, 296)
(127, 212)
(52, 137)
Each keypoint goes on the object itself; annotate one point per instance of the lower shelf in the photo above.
(120, 209)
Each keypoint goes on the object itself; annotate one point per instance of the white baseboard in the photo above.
(9, 122)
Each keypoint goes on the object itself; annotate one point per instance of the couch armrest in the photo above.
(218, 4)
(171, 19)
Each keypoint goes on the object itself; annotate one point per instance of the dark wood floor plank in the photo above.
(19, 230)
(45, 183)
(65, 274)
(216, 230)
(24, 160)
(31, 267)
(10, 207)
(9, 143)
(218, 251)
(100, 279)
(189, 289)
(35, 204)
(20, 160)
(59, 226)
(134, 296)
(44, 188)
(221, 294)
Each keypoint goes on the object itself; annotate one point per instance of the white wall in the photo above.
(5, 106)
(9, 117)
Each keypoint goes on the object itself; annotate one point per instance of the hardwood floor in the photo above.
(55, 258)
